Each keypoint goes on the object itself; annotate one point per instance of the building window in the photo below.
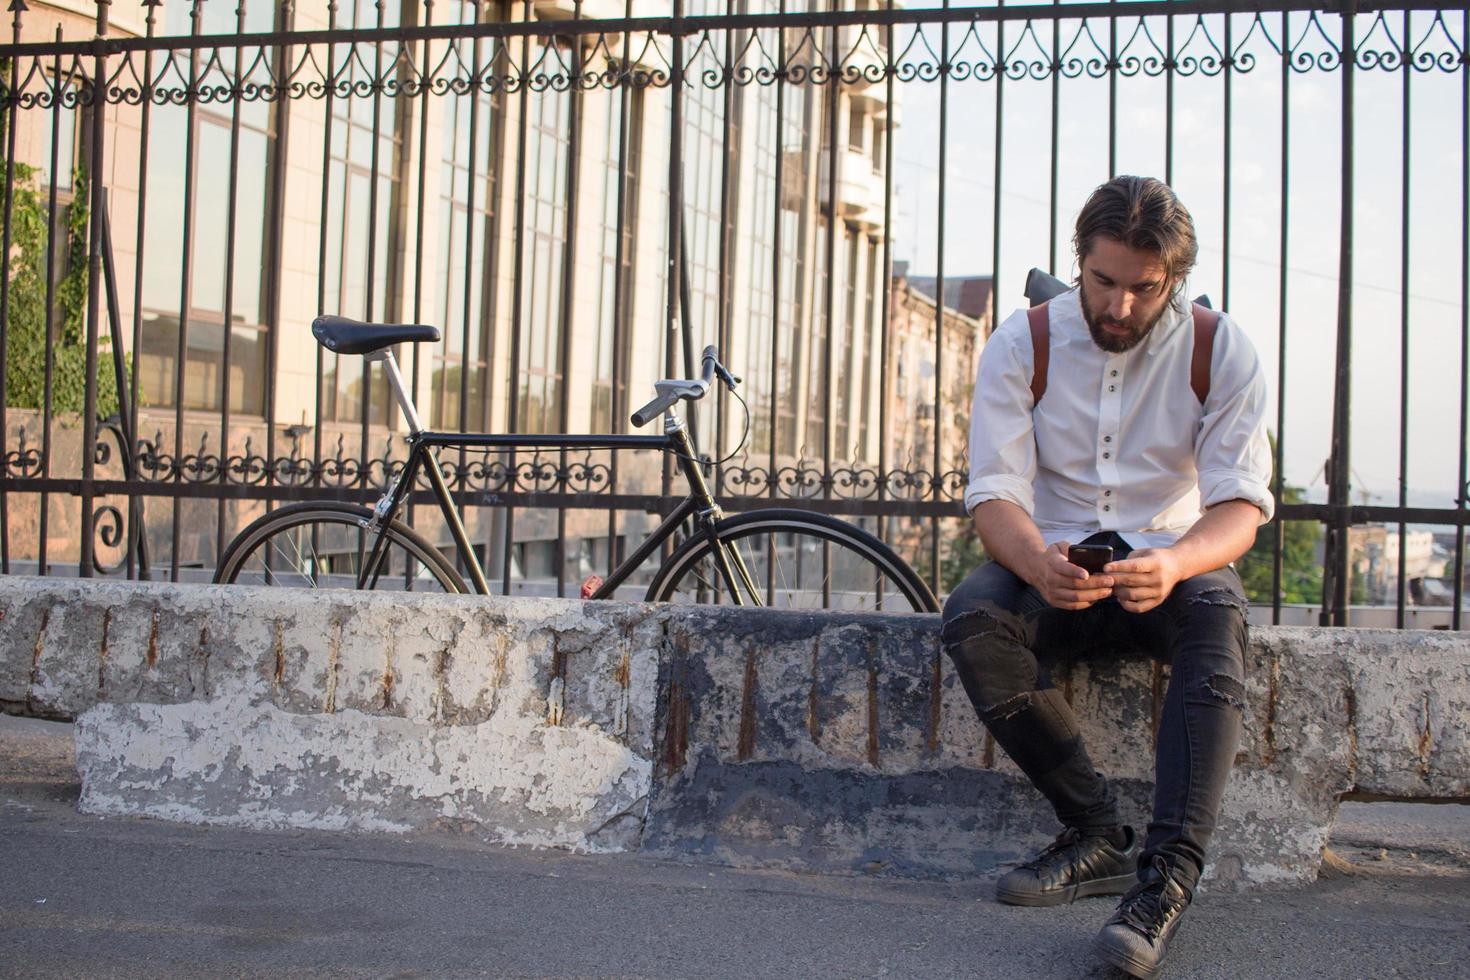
(362, 193)
(463, 300)
(615, 274)
(219, 310)
(547, 159)
(857, 125)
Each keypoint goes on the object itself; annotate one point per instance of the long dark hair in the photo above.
(1142, 213)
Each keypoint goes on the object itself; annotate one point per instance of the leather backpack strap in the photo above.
(1040, 349)
(1205, 322)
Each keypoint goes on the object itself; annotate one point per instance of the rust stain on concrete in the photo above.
(676, 731)
(936, 702)
(278, 644)
(746, 746)
(386, 685)
(1426, 741)
(1350, 704)
(151, 657)
(40, 647)
(203, 654)
(813, 702)
(102, 652)
(1273, 682)
(334, 656)
(873, 720)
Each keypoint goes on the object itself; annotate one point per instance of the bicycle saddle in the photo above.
(344, 336)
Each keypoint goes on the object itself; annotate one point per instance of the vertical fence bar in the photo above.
(935, 473)
(1112, 92)
(727, 233)
(186, 288)
(1461, 500)
(279, 125)
(568, 286)
(1052, 164)
(469, 249)
(995, 206)
(517, 297)
(885, 294)
(370, 292)
(1170, 64)
(1278, 547)
(1338, 557)
(11, 120)
(232, 198)
(48, 381)
(94, 289)
(829, 298)
(676, 208)
(776, 244)
(420, 189)
(618, 367)
(328, 110)
(1228, 146)
(1401, 586)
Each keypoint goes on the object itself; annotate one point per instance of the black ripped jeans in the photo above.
(1001, 634)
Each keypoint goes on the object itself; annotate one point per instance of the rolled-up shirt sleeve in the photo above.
(1232, 451)
(1002, 439)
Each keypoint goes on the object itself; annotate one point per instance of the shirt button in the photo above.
(1107, 506)
(1112, 387)
(1107, 493)
(1107, 438)
(1107, 455)
(1115, 373)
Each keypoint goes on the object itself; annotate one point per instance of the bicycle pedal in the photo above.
(590, 585)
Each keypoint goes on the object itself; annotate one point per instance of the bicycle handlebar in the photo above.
(670, 391)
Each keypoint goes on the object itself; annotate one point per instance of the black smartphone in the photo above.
(1091, 557)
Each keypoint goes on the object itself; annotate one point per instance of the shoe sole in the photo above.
(1121, 960)
(1065, 896)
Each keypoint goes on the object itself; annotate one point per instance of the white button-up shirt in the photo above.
(1118, 442)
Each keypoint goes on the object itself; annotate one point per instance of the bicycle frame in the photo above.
(699, 504)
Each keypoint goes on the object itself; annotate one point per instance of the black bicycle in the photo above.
(772, 556)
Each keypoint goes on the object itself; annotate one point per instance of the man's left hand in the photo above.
(1145, 578)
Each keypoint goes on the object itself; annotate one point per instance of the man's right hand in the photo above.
(1064, 585)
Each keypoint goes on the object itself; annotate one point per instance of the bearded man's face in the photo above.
(1125, 292)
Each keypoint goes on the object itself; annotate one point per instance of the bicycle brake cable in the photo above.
(744, 434)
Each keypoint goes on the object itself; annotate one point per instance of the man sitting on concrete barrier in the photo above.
(1150, 440)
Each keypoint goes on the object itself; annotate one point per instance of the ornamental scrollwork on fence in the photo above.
(856, 53)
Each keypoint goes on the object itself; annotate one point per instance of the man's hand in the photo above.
(1145, 578)
(1064, 585)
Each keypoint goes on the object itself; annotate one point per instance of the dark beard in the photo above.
(1109, 342)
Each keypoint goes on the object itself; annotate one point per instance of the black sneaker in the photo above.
(1136, 939)
(1071, 867)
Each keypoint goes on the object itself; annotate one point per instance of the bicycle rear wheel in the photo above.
(326, 545)
(796, 560)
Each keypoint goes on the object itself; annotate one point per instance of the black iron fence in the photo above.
(189, 183)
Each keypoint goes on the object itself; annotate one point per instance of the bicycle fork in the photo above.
(728, 561)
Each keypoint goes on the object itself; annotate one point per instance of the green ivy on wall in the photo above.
(26, 340)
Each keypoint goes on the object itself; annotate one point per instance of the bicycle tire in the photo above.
(854, 563)
(329, 520)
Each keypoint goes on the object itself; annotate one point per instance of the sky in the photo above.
(1436, 272)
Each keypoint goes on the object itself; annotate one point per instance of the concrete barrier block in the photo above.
(819, 742)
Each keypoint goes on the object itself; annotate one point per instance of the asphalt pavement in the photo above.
(87, 896)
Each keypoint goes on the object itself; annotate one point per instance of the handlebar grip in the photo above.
(653, 410)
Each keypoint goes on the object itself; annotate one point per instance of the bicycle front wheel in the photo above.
(327, 545)
(793, 559)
